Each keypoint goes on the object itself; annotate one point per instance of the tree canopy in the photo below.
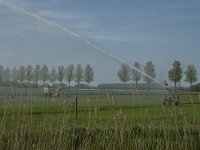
(69, 74)
(124, 73)
(149, 70)
(175, 74)
(136, 75)
(89, 74)
(191, 74)
(78, 75)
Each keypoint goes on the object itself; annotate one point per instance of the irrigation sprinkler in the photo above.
(170, 98)
(75, 35)
(57, 94)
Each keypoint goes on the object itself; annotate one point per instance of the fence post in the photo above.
(76, 107)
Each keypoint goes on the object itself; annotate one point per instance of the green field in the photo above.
(105, 120)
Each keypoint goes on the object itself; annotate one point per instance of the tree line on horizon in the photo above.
(77, 74)
(175, 74)
(42, 74)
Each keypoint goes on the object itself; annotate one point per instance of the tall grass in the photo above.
(113, 125)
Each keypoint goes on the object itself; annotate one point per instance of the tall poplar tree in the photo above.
(149, 70)
(175, 74)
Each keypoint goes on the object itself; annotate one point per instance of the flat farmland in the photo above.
(101, 119)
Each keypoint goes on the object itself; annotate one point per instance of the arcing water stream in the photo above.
(73, 34)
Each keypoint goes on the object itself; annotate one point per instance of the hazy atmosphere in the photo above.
(62, 32)
(99, 74)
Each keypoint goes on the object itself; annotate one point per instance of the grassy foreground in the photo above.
(103, 122)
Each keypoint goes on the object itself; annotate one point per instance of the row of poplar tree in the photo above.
(78, 74)
(175, 74)
(42, 74)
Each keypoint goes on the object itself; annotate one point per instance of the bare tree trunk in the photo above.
(124, 85)
(136, 84)
(191, 86)
(78, 85)
(175, 86)
(69, 85)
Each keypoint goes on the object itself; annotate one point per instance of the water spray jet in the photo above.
(75, 35)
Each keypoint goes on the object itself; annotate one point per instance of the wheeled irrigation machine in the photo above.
(170, 98)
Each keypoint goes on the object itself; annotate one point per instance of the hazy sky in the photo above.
(133, 30)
